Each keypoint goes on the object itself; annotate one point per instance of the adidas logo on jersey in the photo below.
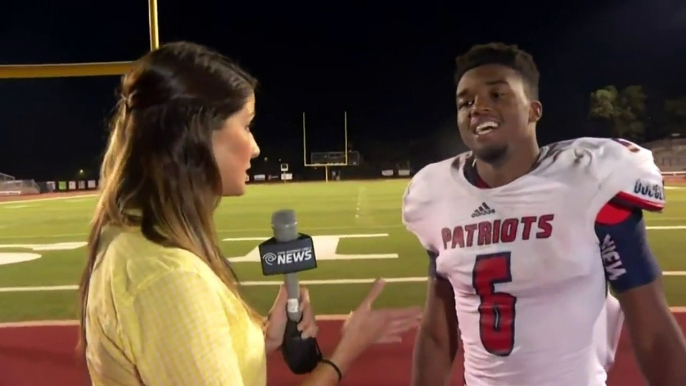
(482, 210)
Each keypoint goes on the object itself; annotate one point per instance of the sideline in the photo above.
(66, 323)
(65, 197)
(266, 283)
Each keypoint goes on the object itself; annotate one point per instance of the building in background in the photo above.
(669, 153)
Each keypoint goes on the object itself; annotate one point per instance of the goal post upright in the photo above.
(326, 165)
(345, 135)
(304, 142)
(64, 70)
(153, 26)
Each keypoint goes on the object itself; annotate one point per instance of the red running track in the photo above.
(37, 356)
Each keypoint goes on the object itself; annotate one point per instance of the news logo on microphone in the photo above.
(287, 253)
(280, 258)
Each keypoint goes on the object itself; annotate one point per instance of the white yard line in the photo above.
(66, 323)
(271, 283)
(260, 283)
(49, 199)
(363, 212)
(309, 229)
(359, 201)
(263, 230)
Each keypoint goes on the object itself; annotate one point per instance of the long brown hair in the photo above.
(159, 172)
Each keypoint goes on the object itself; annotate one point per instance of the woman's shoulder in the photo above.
(134, 260)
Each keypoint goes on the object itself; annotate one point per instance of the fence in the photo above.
(18, 187)
(674, 177)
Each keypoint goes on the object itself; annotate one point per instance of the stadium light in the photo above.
(62, 70)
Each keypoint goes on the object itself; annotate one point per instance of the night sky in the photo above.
(388, 63)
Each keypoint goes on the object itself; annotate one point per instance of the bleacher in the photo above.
(10, 186)
(670, 157)
(669, 154)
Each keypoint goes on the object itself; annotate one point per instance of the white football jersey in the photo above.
(606, 333)
(524, 260)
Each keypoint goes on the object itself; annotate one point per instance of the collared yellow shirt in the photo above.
(160, 316)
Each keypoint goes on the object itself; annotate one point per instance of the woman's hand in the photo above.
(363, 328)
(366, 326)
(278, 317)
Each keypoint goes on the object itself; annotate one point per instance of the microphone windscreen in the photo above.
(283, 218)
(284, 225)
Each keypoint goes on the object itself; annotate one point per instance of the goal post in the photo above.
(11, 186)
(62, 70)
(329, 159)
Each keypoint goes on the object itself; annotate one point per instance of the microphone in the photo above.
(285, 229)
(287, 253)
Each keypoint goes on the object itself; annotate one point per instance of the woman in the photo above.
(159, 303)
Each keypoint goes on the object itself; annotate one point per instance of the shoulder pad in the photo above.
(606, 150)
(419, 195)
(647, 192)
(602, 147)
(627, 171)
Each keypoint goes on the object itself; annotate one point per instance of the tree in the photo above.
(622, 110)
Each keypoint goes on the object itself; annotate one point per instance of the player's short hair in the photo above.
(506, 55)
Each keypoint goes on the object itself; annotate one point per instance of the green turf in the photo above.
(336, 208)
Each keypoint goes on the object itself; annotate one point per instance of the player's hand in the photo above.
(278, 317)
(366, 326)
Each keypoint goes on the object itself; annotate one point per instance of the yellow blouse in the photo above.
(160, 316)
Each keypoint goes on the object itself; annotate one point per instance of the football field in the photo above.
(356, 228)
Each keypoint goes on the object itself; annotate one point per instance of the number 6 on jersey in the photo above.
(496, 309)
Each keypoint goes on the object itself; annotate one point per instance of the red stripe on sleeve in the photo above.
(643, 204)
(612, 214)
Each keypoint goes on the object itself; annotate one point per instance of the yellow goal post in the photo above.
(328, 159)
(62, 70)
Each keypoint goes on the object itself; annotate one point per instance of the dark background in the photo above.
(388, 63)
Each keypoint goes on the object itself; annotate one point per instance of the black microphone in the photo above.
(285, 254)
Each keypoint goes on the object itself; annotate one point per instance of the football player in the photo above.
(522, 241)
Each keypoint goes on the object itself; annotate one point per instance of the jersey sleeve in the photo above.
(630, 184)
(627, 182)
(415, 217)
(627, 258)
(626, 173)
(646, 193)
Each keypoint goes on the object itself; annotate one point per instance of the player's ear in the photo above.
(535, 111)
